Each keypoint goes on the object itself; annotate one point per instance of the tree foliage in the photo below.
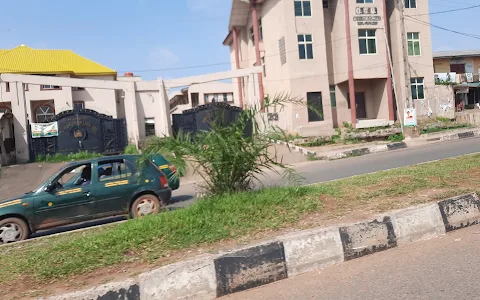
(227, 158)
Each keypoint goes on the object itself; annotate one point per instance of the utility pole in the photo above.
(389, 54)
(406, 64)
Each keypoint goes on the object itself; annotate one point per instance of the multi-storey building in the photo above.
(334, 55)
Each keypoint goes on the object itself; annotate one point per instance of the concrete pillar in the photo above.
(237, 65)
(131, 114)
(163, 122)
(20, 122)
(391, 109)
(351, 79)
(256, 37)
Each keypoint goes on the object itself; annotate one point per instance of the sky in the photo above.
(143, 35)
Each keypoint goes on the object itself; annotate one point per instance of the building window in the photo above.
(78, 105)
(149, 126)
(303, 9)
(195, 97)
(260, 30)
(315, 107)
(44, 113)
(367, 41)
(225, 97)
(325, 3)
(410, 3)
(264, 68)
(282, 51)
(50, 87)
(365, 1)
(413, 39)
(333, 96)
(305, 46)
(417, 88)
(7, 87)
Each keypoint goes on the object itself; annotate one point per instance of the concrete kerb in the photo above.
(375, 149)
(286, 256)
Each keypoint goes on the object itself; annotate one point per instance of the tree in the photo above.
(228, 159)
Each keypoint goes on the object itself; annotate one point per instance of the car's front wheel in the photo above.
(145, 205)
(13, 230)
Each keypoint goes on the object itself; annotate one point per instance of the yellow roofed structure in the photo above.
(25, 60)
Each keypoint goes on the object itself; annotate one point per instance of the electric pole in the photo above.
(406, 64)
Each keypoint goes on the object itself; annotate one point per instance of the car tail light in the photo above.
(164, 181)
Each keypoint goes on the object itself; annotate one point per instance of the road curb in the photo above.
(364, 151)
(209, 277)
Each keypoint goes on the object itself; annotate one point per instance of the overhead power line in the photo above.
(448, 11)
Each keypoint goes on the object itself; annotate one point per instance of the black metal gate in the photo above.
(201, 118)
(81, 130)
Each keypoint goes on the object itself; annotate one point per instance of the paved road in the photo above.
(321, 171)
(443, 268)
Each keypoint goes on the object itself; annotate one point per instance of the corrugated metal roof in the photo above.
(26, 60)
(461, 53)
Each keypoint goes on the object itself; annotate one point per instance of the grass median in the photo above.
(219, 219)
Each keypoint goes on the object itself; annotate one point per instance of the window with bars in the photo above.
(367, 41)
(410, 3)
(305, 46)
(282, 51)
(303, 8)
(413, 39)
(417, 85)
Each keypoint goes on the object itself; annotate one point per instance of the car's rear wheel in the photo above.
(146, 205)
(13, 230)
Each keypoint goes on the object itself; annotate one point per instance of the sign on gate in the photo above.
(40, 130)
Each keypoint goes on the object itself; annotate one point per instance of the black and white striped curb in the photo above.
(210, 277)
(364, 151)
(457, 136)
(296, 148)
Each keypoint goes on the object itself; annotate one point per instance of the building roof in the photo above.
(25, 60)
(461, 53)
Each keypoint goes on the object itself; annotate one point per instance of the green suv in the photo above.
(86, 190)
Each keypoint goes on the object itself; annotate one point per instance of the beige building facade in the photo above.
(326, 51)
(200, 94)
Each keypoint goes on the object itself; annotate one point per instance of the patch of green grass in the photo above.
(396, 137)
(84, 155)
(444, 128)
(131, 149)
(229, 217)
(312, 157)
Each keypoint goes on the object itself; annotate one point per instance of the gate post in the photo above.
(131, 114)
(20, 122)
(163, 118)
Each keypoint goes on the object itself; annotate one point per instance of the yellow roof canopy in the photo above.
(25, 60)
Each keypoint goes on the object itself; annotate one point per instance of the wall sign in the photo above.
(40, 130)
(366, 16)
(410, 117)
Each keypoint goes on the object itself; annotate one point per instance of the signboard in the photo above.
(410, 117)
(366, 16)
(40, 130)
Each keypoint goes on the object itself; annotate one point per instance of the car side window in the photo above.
(75, 176)
(114, 169)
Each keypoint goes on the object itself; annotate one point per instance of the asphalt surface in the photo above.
(442, 268)
(321, 171)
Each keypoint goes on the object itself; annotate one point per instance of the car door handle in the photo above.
(87, 193)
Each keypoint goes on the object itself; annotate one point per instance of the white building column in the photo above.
(163, 123)
(131, 114)
(20, 122)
